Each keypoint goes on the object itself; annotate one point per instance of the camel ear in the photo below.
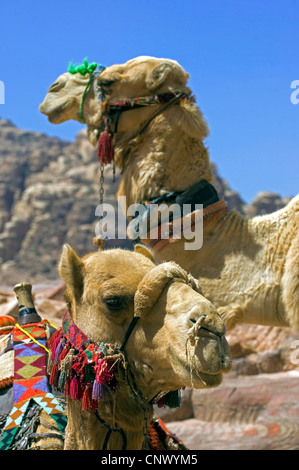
(99, 243)
(71, 271)
(158, 75)
(143, 250)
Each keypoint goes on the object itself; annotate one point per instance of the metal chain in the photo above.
(102, 184)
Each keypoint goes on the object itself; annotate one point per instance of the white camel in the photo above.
(248, 268)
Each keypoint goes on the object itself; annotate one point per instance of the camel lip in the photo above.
(209, 333)
(209, 379)
(52, 113)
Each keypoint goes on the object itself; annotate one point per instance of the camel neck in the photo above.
(165, 158)
(123, 425)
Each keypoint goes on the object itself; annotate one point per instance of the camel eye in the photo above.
(115, 303)
(106, 83)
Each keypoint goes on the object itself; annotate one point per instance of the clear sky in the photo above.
(242, 56)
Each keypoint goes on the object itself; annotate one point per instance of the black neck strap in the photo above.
(128, 333)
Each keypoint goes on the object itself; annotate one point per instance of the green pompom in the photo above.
(83, 68)
(71, 68)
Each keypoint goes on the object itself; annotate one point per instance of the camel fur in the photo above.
(178, 340)
(248, 268)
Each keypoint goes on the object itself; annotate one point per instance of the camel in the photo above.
(158, 334)
(145, 329)
(248, 268)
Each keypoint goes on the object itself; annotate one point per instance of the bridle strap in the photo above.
(94, 75)
(111, 111)
(178, 97)
(167, 99)
(109, 432)
(128, 333)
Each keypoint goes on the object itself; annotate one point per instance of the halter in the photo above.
(105, 149)
(87, 370)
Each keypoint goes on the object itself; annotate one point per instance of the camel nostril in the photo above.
(56, 86)
(197, 320)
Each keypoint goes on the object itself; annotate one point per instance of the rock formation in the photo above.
(49, 192)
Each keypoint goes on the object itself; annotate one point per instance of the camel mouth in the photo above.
(53, 114)
(198, 378)
(209, 380)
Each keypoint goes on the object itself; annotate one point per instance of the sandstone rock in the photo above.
(10, 308)
(249, 413)
(261, 349)
(265, 203)
(52, 310)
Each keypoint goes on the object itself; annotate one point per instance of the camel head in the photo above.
(164, 332)
(179, 338)
(142, 76)
(63, 98)
(139, 77)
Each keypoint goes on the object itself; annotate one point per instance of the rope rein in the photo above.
(32, 338)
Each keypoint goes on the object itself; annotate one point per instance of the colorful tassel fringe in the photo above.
(88, 373)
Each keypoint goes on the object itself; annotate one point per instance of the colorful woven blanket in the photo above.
(30, 381)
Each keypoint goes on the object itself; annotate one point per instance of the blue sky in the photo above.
(242, 56)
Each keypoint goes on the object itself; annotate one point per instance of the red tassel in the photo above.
(105, 373)
(53, 338)
(160, 403)
(65, 351)
(76, 392)
(54, 347)
(67, 387)
(54, 375)
(105, 151)
(88, 403)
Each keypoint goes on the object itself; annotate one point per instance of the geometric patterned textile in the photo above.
(14, 420)
(30, 362)
(51, 406)
(160, 438)
(30, 381)
(30, 371)
(72, 333)
(6, 369)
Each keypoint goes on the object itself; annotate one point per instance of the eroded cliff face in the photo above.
(49, 190)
